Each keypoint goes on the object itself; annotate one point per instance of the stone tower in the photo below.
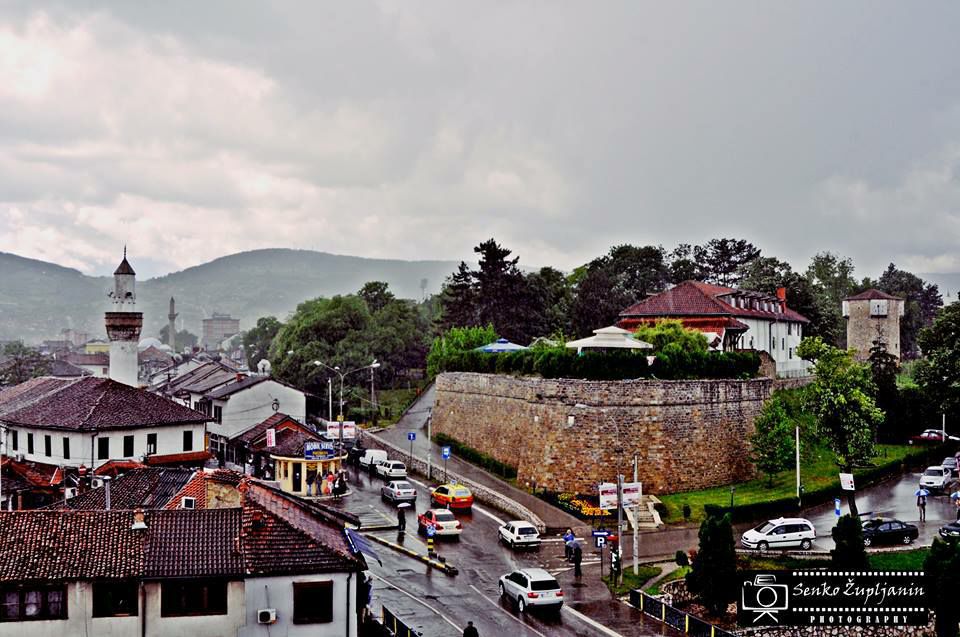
(172, 326)
(123, 325)
(871, 315)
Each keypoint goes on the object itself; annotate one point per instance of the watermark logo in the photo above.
(764, 597)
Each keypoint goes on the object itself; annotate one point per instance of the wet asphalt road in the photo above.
(439, 604)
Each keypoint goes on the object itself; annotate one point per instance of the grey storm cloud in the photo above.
(416, 130)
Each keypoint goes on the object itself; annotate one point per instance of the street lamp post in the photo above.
(336, 369)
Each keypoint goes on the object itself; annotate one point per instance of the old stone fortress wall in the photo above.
(564, 434)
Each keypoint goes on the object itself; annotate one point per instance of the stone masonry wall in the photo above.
(564, 434)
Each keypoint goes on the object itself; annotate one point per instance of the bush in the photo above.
(476, 457)
(686, 515)
(681, 559)
(849, 554)
(713, 577)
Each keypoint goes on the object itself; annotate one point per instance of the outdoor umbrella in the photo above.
(955, 495)
(921, 492)
(501, 345)
(403, 505)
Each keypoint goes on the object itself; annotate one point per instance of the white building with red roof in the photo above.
(740, 319)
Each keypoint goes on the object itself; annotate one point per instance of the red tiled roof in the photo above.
(694, 298)
(196, 488)
(89, 404)
(100, 359)
(187, 457)
(276, 421)
(197, 543)
(144, 487)
(37, 474)
(69, 545)
(871, 295)
(116, 467)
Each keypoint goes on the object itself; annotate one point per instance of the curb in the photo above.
(444, 567)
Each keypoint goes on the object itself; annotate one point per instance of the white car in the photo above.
(391, 469)
(518, 533)
(444, 523)
(371, 457)
(780, 534)
(398, 491)
(936, 478)
(531, 587)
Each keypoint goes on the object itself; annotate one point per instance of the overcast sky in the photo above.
(191, 130)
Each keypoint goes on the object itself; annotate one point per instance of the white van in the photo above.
(371, 457)
(780, 534)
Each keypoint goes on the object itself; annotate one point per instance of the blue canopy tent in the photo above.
(501, 345)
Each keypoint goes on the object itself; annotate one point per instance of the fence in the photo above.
(396, 626)
(684, 622)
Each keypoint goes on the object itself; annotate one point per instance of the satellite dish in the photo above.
(263, 367)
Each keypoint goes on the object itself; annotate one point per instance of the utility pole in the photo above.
(3, 452)
(330, 399)
(798, 461)
(373, 399)
(619, 572)
(429, 449)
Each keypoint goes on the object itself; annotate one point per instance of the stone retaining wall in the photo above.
(481, 493)
(568, 435)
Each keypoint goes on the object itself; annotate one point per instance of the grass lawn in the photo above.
(818, 472)
(890, 561)
(631, 581)
(899, 560)
(675, 574)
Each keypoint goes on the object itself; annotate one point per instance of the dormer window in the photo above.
(879, 307)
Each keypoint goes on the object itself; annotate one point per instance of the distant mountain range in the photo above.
(39, 299)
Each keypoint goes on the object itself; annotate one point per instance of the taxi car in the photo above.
(452, 496)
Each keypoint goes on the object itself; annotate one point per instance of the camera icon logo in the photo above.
(765, 597)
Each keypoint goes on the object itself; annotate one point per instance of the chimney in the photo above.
(138, 523)
(106, 491)
(782, 295)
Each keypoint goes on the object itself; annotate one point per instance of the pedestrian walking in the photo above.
(577, 559)
(330, 479)
(401, 519)
(311, 479)
(339, 486)
(470, 630)
(568, 538)
(922, 505)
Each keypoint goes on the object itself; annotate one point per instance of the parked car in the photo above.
(531, 587)
(936, 478)
(398, 491)
(950, 462)
(779, 534)
(886, 531)
(444, 523)
(931, 437)
(519, 533)
(950, 530)
(371, 456)
(452, 496)
(391, 469)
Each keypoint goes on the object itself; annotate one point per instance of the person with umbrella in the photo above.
(402, 517)
(577, 558)
(955, 496)
(922, 503)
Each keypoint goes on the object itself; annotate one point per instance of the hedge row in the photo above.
(567, 363)
(476, 457)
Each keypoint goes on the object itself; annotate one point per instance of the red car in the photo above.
(452, 496)
(443, 522)
(931, 437)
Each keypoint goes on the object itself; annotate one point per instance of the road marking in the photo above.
(506, 613)
(418, 600)
(603, 629)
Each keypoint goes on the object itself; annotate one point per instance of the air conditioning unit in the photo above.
(96, 482)
(187, 502)
(70, 492)
(267, 616)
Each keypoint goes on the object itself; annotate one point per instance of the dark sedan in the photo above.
(881, 531)
(951, 530)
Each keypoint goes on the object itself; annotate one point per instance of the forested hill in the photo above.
(38, 299)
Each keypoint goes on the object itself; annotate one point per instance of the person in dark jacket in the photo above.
(577, 558)
(401, 519)
(470, 630)
(568, 538)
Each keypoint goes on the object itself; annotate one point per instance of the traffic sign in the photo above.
(445, 453)
(836, 506)
(431, 530)
(411, 436)
(599, 541)
(601, 533)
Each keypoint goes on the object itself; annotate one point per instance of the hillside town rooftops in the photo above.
(89, 404)
(694, 298)
(143, 487)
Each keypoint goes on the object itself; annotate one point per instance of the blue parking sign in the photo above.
(445, 453)
(836, 506)
(431, 530)
(411, 436)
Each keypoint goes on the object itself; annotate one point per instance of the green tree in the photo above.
(713, 576)
(921, 303)
(682, 266)
(772, 443)
(883, 371)
(942, 568)
(841, 400)
(376, 295)
(832, 279)
(938, 372)
(20, 363)
(722, 261)
(768, 274)
(553, 297)
(504, 296)
(458, 299)
(848, 553)
(257, 341)
(184, 338)
(667, 331)
(455, 340)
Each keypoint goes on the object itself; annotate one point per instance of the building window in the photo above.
(313, 602)
(789, 329)
(47, 446)
(218, 414)
(773, 343)
(128, 446)
(66, 448)
(103, 448)
(29, 443)
(188, 441)
(151, 443)
(193, 597)
(791, 354)
(27, 604)
(783, 343)
(115, 599)
(13, 439)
